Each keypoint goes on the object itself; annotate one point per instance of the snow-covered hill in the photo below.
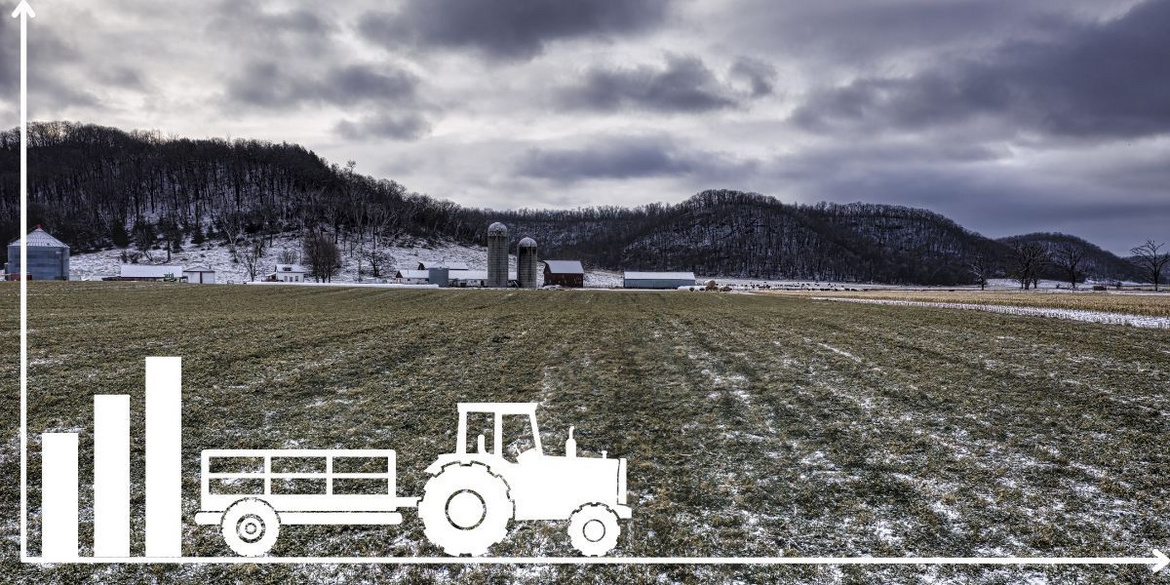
(98, 265)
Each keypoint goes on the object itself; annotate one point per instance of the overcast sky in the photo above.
(1008, 116)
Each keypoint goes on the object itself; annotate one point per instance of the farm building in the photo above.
(419, 276)
(663, 280)
(475, 278)
(48, 257)
(149, 272)
(288, 273)
(564, 273)
(426, 265)
(199, 275)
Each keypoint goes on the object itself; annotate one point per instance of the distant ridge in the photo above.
(96, 187)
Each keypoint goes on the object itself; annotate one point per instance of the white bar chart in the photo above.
(111, 475)
(164, 456)
(59, 496)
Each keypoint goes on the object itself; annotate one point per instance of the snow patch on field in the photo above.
(1070, 314)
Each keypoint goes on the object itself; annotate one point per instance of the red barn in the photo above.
(568, 273)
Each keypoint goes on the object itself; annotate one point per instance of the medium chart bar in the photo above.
(59, 496)
(164, 453)
(111, 475)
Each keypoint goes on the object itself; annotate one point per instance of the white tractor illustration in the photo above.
(466, 505)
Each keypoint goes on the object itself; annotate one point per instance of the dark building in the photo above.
(48, 257)
(564, 273)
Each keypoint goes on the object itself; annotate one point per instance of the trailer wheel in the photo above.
(594, 530)
(250, 527)
(465, 509)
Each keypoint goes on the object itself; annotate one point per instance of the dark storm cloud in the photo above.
(860, 33)
(250, 22)
(1106, 80)
(760, 76)
(508, 29)
(268, 84)
(684, 84)
(627, 158)
(408, 126)
(50, 85)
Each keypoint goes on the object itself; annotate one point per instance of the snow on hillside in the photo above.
(98, 265)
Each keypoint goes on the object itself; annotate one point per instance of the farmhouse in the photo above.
(412, 276)
(199, 275)
(288, 273)
(427, 265)
(149, 272)
(48, 257)
(569, 273)
(662, 280)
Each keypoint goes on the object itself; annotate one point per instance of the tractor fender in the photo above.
(467, 459)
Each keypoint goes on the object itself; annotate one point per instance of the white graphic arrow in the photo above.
(23, 12)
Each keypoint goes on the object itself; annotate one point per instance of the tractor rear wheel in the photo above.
(594, 530)
(465, 509)
(250, 527)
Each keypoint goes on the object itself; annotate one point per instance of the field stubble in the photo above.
(754, 425)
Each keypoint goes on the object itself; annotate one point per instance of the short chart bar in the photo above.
(164, 452)
(59, 496)
(111, 475)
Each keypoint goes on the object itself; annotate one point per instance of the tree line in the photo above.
(99, 188)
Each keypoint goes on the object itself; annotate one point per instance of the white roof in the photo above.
(289, 269)
(565, 266)
(414, 274)
(475, 275)
(150, 270)
(660, 276)
(199, 268)
(425, 264)
(39, 237)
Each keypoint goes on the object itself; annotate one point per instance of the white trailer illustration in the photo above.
(466, 505)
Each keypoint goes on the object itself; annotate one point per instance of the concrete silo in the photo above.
(497, 272)
(526, 263)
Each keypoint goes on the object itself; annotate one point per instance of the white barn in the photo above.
(427, 265)
(412, 277)
(149, 272)
(199, 275)
(658, 280)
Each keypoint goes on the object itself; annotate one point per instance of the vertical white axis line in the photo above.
(23, 281)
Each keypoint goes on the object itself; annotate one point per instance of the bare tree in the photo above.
(1028, 259)
(322, 257)
(287, 256)
(1149, 257)
(231, 225)
(253, 257)
(1070, 257)
(376, 259)
(980, 268)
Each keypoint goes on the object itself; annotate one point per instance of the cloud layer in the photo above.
(1007, 115)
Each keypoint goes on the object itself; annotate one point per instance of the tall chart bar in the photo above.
(111, 475)
(164, 454)
(59, 496)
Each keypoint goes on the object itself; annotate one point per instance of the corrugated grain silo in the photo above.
(526, 263)
(48, 257)
(497, 272)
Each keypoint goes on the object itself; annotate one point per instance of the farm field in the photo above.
(754, 425)
(1154, 305)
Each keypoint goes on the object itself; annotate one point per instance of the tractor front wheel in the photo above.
(594, 530)
(465, 509)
